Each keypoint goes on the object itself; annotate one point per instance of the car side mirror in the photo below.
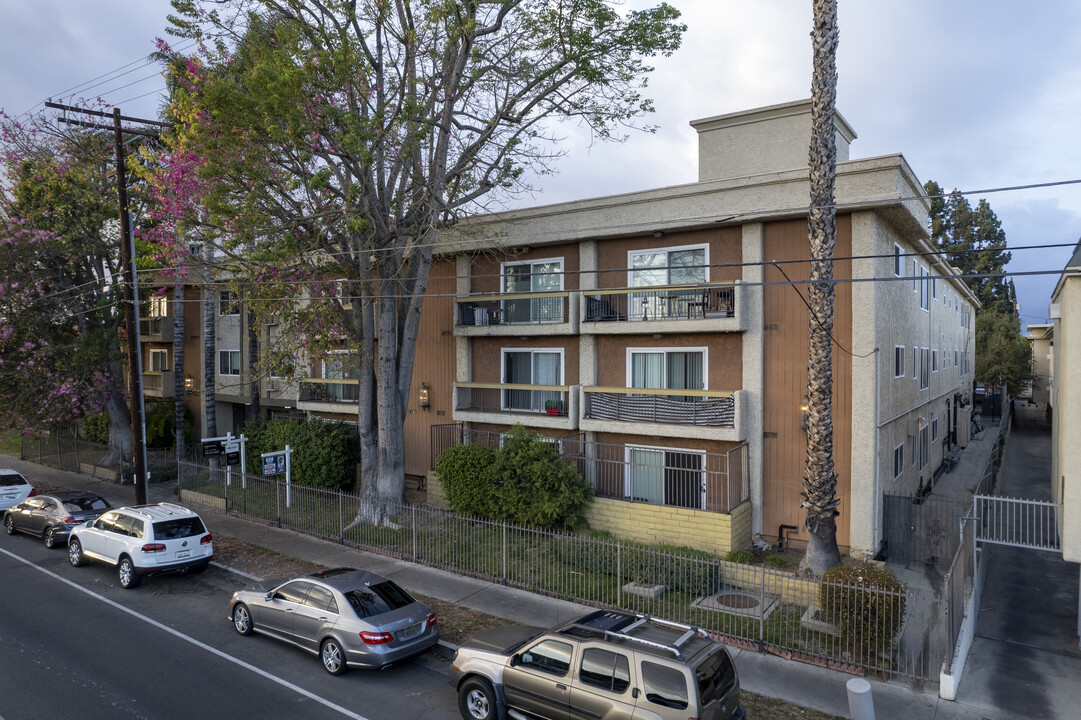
(515, 660)
(269, 596)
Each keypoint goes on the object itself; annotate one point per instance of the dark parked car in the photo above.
(350, 618)
(51, 517)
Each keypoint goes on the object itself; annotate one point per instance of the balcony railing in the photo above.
(158, 384)
(329, 391)
(512, 398)
(681, 407)
(513, 309)
(671, 302)
(156, 329)
(714, 482)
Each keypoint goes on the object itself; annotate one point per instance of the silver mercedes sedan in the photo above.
(350, 618)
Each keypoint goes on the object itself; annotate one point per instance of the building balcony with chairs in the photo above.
(550, 406)
(518, 314)
(705, 414)
(328, 395)
(700, 307)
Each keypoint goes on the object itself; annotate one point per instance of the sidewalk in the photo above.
(805, 685)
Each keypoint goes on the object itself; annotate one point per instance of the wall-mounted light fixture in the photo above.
(189, 384)
(423, 398)
(804, 413)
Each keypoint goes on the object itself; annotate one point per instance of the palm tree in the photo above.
(819, 481)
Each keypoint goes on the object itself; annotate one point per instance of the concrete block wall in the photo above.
(664, 525)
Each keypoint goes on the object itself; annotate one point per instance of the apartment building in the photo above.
(1042, 338)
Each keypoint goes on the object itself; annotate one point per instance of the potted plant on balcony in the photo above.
(553, 407)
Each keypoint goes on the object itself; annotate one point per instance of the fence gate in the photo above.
(921, 531)
(1034, 524)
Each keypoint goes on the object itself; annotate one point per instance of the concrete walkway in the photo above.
(799, 683)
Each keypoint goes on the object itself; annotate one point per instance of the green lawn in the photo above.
(9, 443)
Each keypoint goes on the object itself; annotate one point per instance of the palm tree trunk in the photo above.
(210, 320)
(178, 367)
(820, 482)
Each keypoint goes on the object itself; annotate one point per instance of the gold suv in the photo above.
(607, 664)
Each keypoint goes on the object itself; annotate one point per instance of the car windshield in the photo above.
(377, 599)
(180, 528)
(12, 479)
(85, 504)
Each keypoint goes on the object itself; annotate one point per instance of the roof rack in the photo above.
(641, 620)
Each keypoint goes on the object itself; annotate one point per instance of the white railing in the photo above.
(1035, 524)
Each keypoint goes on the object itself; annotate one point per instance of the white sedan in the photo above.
(13, 489)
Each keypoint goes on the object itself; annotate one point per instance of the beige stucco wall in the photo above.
(1066, 428)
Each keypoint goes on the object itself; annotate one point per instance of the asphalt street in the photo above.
(73, 643)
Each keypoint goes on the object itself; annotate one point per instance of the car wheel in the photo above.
(333, 657)
(9, 525)
(75, 553)
(476, 699)
(50, 537)
(129, 576)
(242, 619)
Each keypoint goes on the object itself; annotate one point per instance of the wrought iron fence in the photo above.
(65, 450)
(757, 607)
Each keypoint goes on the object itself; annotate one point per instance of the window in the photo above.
(606, 670)
(925, 445)
(159, 306)
(293, 592)
(898, 261)
(665, 476)
(341, 365)
(382, 597)
(915, 276)
(934, 429)
(668, 369)
(550, 656)
(915, 362)
(661, 267)
(531, 367)
(925, 366)
(925, 283)
(536, 276)
(321, 598)
(227, 303)
(664, 686)
(159, 360)
(898, 460)
(898, 361)
(934, 361)
(934, 288)
(229, 362)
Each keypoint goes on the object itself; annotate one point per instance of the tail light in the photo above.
(70, 521)
(33, 492)
(431, 620)
(375, 638)
(206, 539)
(153, 547)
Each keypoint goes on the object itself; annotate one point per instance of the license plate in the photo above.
(410, 632)
(183, 553)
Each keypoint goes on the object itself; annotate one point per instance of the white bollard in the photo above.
(860, 704)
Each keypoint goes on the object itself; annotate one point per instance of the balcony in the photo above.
(156, 329)
(329, 395)
(706, 414)
(553, 406)
(158, 384)
(548, 313)
(705, 307)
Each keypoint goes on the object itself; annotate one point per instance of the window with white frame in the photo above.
(898, 460)
(228, 362)
(159, 361)
(659, 267)
(925, 445)
(159, 306)
(542, 366)
(228, 303)
(915, 363)
(925, 366)
(665, 476)
(925, 289)
(341, 370)
(667, 368)
(915, 276)
(934, 288)
(898, 361)
(533, 276)
(898, 260)
(934, 361)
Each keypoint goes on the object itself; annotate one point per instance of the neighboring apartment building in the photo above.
(1042, 339)
(1065, 400)
(659, 339)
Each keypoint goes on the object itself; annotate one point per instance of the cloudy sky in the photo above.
(976, 94)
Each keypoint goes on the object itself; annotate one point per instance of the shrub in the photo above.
(746, 557)
(96, 429)
(776, 561)
(867, 605)
(160, 419)
(324, 453)
(524, 482)
(465, 471)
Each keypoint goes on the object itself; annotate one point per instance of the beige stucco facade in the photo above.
(1066, 404)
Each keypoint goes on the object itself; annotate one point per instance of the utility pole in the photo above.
(131, 291)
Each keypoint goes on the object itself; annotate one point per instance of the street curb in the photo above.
(445, 650)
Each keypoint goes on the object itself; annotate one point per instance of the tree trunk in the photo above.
(253, 362)
(210, 322)
(820, 482)
(178, 368)
(120, 448)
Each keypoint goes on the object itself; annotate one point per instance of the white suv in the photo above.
(144, 540)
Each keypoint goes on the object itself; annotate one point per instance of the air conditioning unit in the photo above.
(273, 384)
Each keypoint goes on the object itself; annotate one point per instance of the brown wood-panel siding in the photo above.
(724, 352)
(725, 254)
(785, 357)
(434, 364)
(487, 269)
(488, 355)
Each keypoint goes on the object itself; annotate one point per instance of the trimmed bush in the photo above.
(867, 605)
(776, 561)
(325, 454)
(524, 482)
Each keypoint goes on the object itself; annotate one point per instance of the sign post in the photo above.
(276, 463)
(233, 448)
